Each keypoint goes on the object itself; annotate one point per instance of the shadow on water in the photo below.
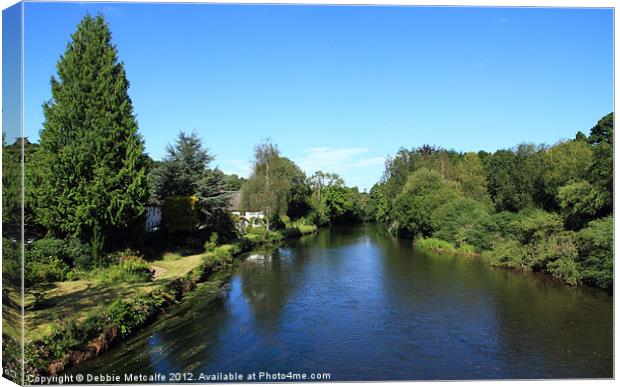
(361, 305)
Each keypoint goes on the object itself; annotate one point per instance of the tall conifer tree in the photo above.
(91, 161)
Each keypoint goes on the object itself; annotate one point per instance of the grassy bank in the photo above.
(436, 245)
(74, 321)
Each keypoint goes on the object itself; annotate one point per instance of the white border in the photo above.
(484, 3)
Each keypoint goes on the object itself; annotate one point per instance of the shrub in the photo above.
(506, 224)
(507, 253)
(11, 262)
(536, 224)
(46, 260)
(65, 336)
(424, 192)
(48, 270)
(464, 220)
(595, 253)
(466, 248)
(212, 242)
(128, 316)
(122, 255)
(180, 213)
(434, 244)
(559, 246)
(566, 269)
(127, 271)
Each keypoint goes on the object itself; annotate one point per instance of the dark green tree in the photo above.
(603, 131)
(91, 163)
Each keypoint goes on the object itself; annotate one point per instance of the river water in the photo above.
(361, 305)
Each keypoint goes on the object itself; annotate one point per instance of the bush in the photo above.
(50, 259)
(212, 242)
(434, 244)
(536, 224)
(128, 316)
(424, 192)
(121, 256)
(506, 222)
(566, 269)
(508, 253)
(466, 248)
(466, 221)
(51, 269)
(559, 246)
(64, 337)
(595, 253)
(45, 260)
(129, 270)
(11, 262)
(180, 213)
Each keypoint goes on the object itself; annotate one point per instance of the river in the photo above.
(361, 305)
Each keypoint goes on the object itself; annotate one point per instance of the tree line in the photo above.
(532, 207)
(89, 183)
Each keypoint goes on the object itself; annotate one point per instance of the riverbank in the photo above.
(435, 245)
(356, 294)
(95, 325)
(502, 259)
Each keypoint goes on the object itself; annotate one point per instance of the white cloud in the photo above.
(338, 160)
(242, 168)
(328, 159)
(370, 161)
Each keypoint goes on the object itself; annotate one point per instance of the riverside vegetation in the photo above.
(533, 208)
(90, 263)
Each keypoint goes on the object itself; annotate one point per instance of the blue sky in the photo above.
(339, 88)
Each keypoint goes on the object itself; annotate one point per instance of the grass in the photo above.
(53, 302)
(78, 299)
(440, 246)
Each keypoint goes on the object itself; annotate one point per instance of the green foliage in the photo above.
(565, 269)
(268, 188)
(566, 162)
(185, 173)
(470, 175)
(128, 316)
(595, 246)
(507, 224)
(50, 259)
(464, 221)
(581, 202)
(51, 269)
(11, 263)
(603, 131)
(515, 177)
(11, 188)
(424, 192)
(434, 244)
(558, 246)
(212, 242)
(67, 335)
(90, 166)
(180, 213)
(466, 248)
(534, 225)
(379, 204)
(129, 270)
(332, 202)
(507, 253)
